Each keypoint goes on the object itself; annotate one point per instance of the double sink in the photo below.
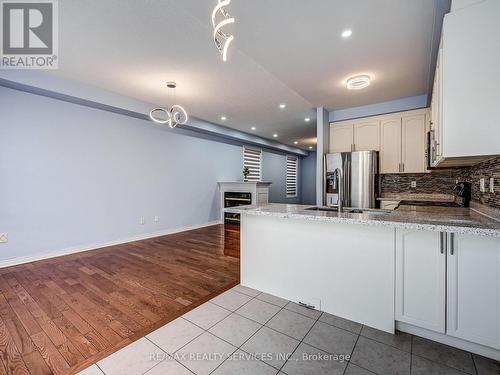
(352, 210)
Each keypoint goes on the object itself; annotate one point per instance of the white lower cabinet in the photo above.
(473, 278)
(442, 275)
(420, 279)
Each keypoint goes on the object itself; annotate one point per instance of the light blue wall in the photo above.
(403, 104)
(273, 165)
(308, 179)
(73, 176)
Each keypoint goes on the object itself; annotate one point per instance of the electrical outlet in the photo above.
(4, 238)
(482, 189)
(413, 184)
(141, 220)
(492, 185)
(157, 218)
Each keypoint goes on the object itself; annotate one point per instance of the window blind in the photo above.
(252, 158)
(291, 176)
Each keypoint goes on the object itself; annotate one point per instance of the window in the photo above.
(291, 176)
(252, 159)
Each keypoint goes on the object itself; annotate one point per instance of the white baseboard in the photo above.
(78, 249)
(485, 351)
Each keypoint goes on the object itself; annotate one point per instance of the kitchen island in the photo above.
(412, 269)
(461, 220)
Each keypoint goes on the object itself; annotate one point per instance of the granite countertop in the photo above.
(440, 219)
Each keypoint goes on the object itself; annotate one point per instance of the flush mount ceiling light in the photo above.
(282, 105)
(358, 82)
(307, 119)
(223, 118)
(346, 33)
(310, 147)
(173, 116)
(221, 18)
(295, 143)
(253, 128)
(275, 135)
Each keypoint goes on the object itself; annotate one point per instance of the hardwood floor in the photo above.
(60, 315)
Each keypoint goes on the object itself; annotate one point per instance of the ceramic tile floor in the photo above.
(244, 331)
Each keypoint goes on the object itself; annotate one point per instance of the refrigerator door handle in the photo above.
(325, 188)
(347, 186)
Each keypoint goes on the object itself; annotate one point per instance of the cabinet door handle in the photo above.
(452, 243)
(441, 241)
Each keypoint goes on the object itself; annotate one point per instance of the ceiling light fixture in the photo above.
(221, 18)
(282, 105)
(358, 82)
(253, 128)
(173, 116)
(346, 33)
(275, 135)
(295, 143)
(307, 119)
(223, 118)
(310, 147)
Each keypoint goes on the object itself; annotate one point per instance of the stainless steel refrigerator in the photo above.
(360, 178)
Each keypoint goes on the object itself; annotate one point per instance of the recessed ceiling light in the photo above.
(346, 33)
(310, 147)
(282, 105)
(307, 119)
(253, 128)
(358, 82)
(275, 135)
(295, 143)
(223, 118)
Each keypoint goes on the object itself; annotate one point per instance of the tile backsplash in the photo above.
(442, 181)
(486, 170)
(427, 183)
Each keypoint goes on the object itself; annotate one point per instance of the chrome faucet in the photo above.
(338, 178)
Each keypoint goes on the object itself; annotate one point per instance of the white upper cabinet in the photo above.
(466, 111)
(399, 137)
(435, 153)
(367, 135)
(402, 146)
(413, 144)
(341, 138)
(390, 145)
(420, 279)
(473, 307)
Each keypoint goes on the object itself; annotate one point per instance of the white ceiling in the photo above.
(285, 51)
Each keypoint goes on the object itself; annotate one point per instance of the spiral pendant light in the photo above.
(221, 18)
(173, 116)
